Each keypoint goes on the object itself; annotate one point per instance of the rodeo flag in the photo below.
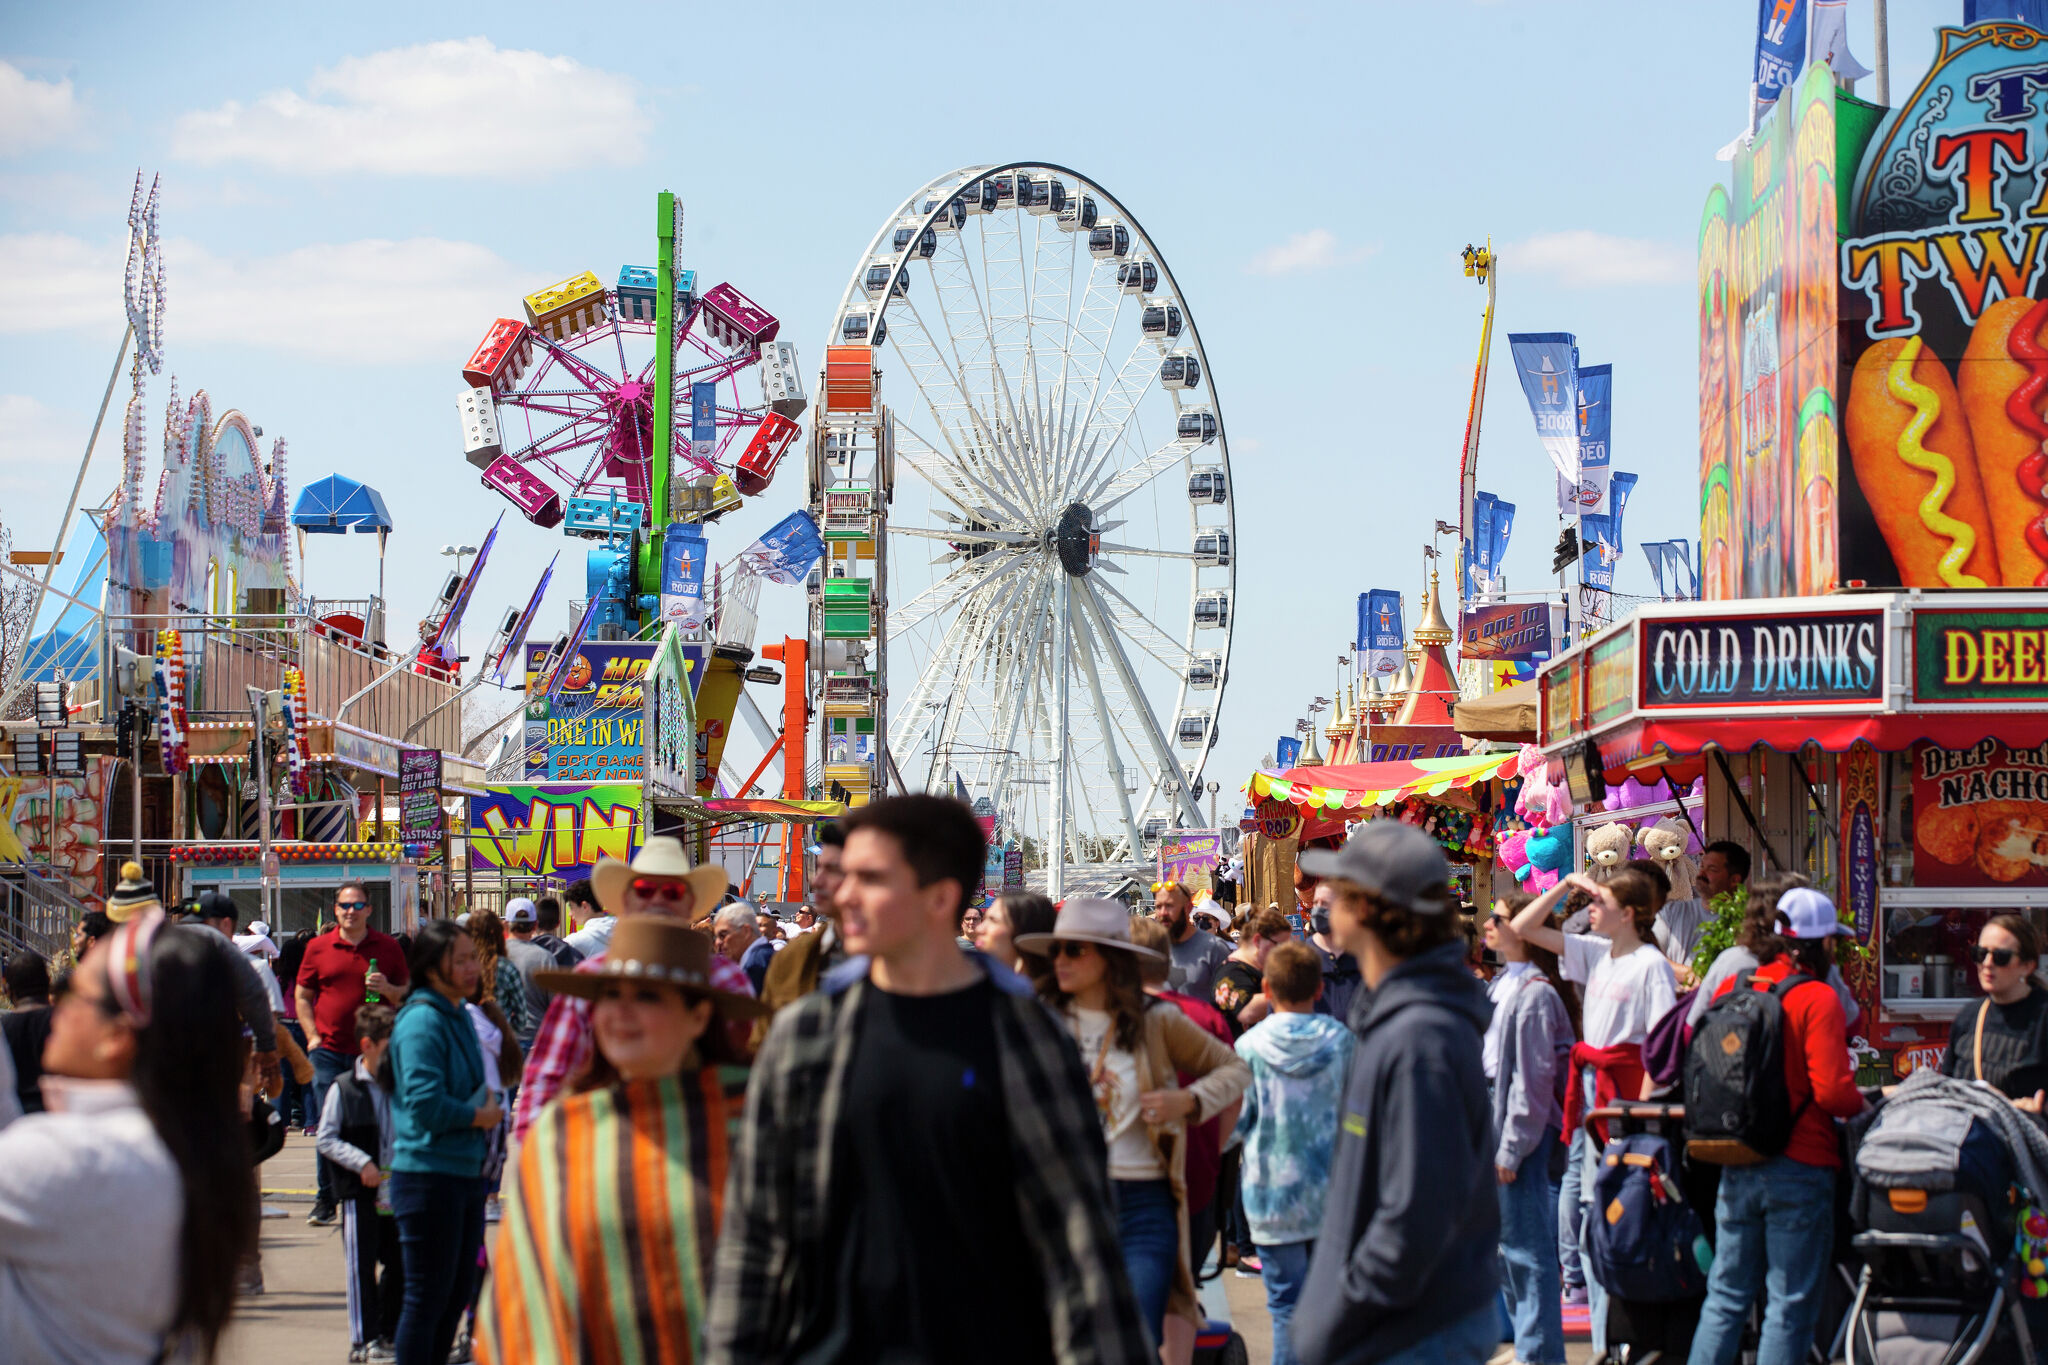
(1596, 415)
(1548, 366)
(787, 550)
(703, 422)
(1379, 633)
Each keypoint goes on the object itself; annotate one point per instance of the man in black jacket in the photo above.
(1406, 1266)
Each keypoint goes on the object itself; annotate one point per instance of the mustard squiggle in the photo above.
(1926, 405)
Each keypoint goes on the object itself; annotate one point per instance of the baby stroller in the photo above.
(1657, 1306)
(1939, 1178)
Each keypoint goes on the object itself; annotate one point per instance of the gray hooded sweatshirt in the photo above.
(1410, 1242)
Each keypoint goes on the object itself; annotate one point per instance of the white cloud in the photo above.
(458, 108)
(33, 113)
(1580, 257)
(1316, 249)
(366, 302)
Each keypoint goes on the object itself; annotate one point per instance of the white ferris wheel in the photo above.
(1061, 552)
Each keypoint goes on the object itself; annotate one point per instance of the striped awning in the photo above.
(1355, 786)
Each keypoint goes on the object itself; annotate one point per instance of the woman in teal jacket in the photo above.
(440, 1111)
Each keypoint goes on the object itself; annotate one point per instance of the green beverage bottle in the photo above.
(371, 997)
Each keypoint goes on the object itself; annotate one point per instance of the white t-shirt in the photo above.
(1624, 996)
(1114, 1073)
(490, 1040)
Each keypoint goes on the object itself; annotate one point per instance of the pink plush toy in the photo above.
(1512, 853)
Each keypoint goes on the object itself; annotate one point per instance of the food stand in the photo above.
(1890, 746)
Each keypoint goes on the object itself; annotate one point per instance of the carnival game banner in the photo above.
(1768, 510)
(1596, 420)
(1980, 816)
(1945, 371)
(553, 830)
(595, 725)
(1520, 632)
(1188, 856)
(1547, 363)
(1379, 633)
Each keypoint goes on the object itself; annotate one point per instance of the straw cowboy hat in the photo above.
(654, 949)
(1086, 919)
(661, 856)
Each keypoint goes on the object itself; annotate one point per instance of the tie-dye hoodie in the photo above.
(1289, 1121)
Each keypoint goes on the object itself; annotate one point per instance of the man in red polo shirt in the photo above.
(340, 969)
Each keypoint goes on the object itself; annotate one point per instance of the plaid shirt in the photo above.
(772, 1261)
(563, 1046)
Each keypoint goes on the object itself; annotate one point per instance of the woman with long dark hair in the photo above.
(126, 1209)
(621, 1182)
(440, 1112)
(1134, 1046)
(1014, 913)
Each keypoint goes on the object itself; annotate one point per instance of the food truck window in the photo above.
(1927, 948)
(1896, 857)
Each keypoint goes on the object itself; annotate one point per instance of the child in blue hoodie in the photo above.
(1299, 1060)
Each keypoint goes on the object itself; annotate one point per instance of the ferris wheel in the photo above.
(561, 404)
(1061, 546)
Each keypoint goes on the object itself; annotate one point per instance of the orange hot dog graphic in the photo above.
(2003, 380)
(1911, 449)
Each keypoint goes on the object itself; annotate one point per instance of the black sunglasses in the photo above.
(2000, 957)
(1066, 948)
(351, 905)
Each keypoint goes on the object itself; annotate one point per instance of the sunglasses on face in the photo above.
(660, 889)
(1076, 950)
(2000, 957)
(351, 905)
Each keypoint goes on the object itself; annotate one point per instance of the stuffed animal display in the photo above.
(1665, 842)
(1609, 845)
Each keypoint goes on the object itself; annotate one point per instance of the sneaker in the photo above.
(491, 1210)
(1248, 1267)
(357, 1354)
(322, 1216)
(381, 1353)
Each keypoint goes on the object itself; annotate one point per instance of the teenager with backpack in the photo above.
(1628, 986)
(1527, 1046)
(1770, 1070)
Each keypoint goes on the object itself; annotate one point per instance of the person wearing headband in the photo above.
(126, 1209)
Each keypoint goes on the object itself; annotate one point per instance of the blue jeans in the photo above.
(1283, 1267)
(1148, 1226)
(295, 1101)
(1587, 1163)
(440, 1232)
(1570, 1211)
(329, 1066)
(1777, 1222)
(1528, 1258)
(1468, 1341)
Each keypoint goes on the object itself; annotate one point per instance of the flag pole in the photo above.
(1881, 40)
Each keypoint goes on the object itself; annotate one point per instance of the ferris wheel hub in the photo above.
(1075, 539)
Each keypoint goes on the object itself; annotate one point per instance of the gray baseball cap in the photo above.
(1393, 860)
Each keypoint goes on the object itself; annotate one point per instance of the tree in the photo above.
(17, 619)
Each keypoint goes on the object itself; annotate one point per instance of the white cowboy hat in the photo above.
(661, 856)
(1086, 919)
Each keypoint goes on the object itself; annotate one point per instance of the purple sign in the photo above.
(420, 817)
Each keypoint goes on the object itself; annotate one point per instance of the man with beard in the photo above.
(1197, 954)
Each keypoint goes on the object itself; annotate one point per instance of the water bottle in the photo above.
(371, 997)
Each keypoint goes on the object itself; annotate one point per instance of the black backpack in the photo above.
(1738, 1111)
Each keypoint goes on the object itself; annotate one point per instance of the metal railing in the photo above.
(227, 655)
(37, 909)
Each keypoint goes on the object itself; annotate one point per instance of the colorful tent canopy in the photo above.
(337, 504)
(1354, 786)
(776, 808)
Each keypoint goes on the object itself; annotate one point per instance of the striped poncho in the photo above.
(604, 1252)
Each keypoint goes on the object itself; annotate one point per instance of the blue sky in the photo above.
(351, 198)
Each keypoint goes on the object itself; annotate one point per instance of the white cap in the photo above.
(1806, 914)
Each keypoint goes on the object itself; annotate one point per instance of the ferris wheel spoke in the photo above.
(1149, 553)
(934, 599)
(1104, 719)
(1122, 664)
(1010, 708)
(967, 620)
(957, 480)
(988, 618)
(583, 413)
(592, 377)
(1129, 481)
(1141, 628)
(947, 534)
(569, 434)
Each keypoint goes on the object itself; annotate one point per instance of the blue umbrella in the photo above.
(337, 504)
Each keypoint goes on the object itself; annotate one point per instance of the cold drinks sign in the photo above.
(1763, 660)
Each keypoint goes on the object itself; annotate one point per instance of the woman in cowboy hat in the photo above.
(621, 1183)
(660, 881)
(1133, 1045)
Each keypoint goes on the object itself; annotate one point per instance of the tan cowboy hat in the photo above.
(661, 856)
(1085, 919)
(659, 950)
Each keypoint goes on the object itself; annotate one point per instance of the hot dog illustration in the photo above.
(1911, 448)
(2003, 382)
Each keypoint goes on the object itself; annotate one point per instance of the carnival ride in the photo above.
(1069, 520)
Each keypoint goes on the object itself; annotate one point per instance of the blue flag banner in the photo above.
(1380, 629)
(2033, 13)
(1780, 46)
(1287, 753)
(1479, 558)
(1599, 551)
(1596, 412)
(703, 422)
(1619, 488)
(787, 550)
(515, 643)
(1503, 524)
(1548, 366)
(683, 553)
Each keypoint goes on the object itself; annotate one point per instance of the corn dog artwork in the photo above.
(1945, 262)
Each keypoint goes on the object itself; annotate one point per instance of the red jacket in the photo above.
(1816, 1063)
(1205, 1139)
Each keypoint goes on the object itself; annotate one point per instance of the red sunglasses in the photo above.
(661, 888)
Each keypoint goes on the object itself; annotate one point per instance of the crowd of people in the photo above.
(648, 1121)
